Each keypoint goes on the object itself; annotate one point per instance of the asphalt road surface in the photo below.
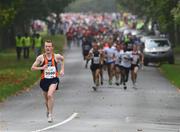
(154, 106)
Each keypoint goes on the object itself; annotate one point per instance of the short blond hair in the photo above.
(49, 41)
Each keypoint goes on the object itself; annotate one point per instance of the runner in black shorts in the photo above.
(96, 64)
(137, 58)
(45, 83)
(47, 63)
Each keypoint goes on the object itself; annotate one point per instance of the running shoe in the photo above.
(50, 119)
(94, 88)
(117, 83)
(125, 87)
(110, 82)
(101, 81)
(134, 84)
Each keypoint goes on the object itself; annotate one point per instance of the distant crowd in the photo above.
(110, 42)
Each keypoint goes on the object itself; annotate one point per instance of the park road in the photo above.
(154, 106)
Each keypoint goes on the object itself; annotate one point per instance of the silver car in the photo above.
(157, 49)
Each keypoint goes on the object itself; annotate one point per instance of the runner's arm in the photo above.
(141, 57)
(60, 58)
(36, 65)
(89, 56)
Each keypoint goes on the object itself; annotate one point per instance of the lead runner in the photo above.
(47, 64)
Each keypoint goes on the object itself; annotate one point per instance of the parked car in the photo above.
(157, 49)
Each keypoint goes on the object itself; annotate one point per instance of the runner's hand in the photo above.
(142, 66)
(44, 67)
(61, 73)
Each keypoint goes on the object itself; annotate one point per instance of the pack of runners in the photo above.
(117, 60)
(108, 46)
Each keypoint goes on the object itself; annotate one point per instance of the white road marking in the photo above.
(58, 124)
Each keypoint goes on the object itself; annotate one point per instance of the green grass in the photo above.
(172, 72)
(16, 76)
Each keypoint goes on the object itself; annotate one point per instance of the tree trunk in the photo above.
(177, 32)
(7, 38)
(1, 40)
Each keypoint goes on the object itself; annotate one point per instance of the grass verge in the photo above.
(16, 75)
(172, 72)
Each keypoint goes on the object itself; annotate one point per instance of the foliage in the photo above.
(176, 13)
(58, 6)
(23, 11)
(165, 13)
(92, 6)
(159, 10)
(16, 16)
(8, 10)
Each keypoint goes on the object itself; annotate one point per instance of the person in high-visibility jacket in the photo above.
(27, 44)
(19, 46)
(38, 41)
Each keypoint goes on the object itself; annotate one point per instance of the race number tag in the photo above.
(50, 72)
(96, 60)
(87, 47)
(135, 59)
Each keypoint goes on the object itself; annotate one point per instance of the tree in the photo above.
(156, 10)
(33, 9)
(16, 16)
(176, 13)
(92, 6)
(8, 10)
(57, 6)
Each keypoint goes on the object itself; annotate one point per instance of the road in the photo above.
(153, 107)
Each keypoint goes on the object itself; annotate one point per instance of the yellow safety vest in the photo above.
(37, 42)
(19, 42)
(27, 41)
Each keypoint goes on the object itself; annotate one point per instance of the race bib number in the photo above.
(96, 60)
(50, 72)
(86, 47)
(135, 59)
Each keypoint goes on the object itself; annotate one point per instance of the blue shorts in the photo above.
(45, 83)
(109, 63)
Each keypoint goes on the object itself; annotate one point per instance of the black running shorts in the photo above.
(133, 66)
(45, 83)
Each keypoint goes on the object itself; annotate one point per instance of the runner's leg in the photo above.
(126, 74)
(117, 74)
(50, 96)
(123, 76)
(112, 72)
(101, 74)
(133, 75)
(46, 101)
(97, 76)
